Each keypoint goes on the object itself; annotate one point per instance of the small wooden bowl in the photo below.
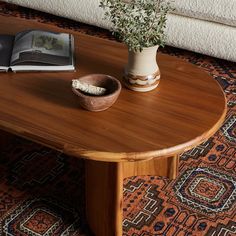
(103, 102)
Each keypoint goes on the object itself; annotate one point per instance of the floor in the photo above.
(42, 191)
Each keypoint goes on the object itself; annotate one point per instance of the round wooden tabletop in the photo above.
(186, 109)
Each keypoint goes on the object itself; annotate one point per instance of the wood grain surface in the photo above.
(104, 197)
(162, 166)
(186, 109)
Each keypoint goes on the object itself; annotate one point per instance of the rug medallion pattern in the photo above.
(46, 197)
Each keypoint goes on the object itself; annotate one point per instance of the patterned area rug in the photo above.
(42, 191)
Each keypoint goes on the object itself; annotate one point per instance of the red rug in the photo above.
(42, 191)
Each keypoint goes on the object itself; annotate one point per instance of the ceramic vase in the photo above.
(142, 72)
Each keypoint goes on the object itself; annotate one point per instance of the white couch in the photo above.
(204, 26)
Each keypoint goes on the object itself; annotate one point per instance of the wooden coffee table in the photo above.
(142, 134)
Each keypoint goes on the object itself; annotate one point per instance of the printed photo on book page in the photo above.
(40, 42)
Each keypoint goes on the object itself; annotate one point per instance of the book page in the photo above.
(6, 46)
(44, 47)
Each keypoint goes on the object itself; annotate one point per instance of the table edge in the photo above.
(104, 156)
(142, 156)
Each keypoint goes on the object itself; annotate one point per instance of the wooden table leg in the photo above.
(104, 197)
(104, 189)
(164, 166)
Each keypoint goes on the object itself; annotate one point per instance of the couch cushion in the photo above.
(221, 11)
(206, 37)
(186, 32)
(88, 11)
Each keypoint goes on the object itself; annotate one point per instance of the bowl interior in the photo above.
(109, 83)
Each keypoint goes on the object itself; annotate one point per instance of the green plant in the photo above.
(138, 23)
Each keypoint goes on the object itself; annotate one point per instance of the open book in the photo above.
(37, 50)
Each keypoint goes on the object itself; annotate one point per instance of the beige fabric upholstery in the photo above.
(184, 30)
(220, 11)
